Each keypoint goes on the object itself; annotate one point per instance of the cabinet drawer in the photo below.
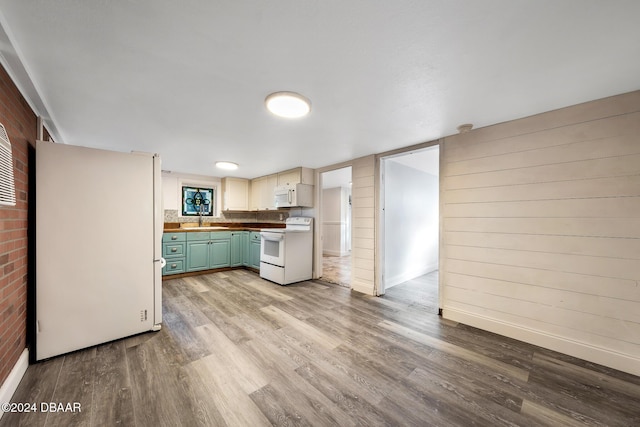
(198, 235)
(220, 235)
(173, 237)
(173, 266)
(173, 249)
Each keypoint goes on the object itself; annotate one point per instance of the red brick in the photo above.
(20, 123)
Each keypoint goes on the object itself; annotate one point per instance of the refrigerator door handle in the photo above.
(158, 225)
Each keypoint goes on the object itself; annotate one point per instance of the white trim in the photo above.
(10, 385)
(405, 276)
(379, 217)
(317, 224)
(382, 282)
(582, 350)
(334, 253)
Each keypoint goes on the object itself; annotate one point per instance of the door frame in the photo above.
(380, 215)
(317, 224)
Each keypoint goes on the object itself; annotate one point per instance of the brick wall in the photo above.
(21, 125)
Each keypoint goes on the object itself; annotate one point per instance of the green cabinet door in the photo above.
(198, 255)
(254, 259)
(245, 248)
(220, 253)
(254, 250)
(236, 249)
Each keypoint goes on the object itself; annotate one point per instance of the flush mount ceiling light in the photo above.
(227, 165)
(465, 128)
(290, 105)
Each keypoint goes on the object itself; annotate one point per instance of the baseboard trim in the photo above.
(602, 356)
(406, 276)
(334, 253)
(10, 385)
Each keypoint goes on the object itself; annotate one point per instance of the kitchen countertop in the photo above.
(173, 227)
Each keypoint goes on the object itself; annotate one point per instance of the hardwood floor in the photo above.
(420, 293)
(236, 350)
(337, 270)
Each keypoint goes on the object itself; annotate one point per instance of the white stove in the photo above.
(286, 254)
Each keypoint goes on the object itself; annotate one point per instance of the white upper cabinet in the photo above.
(296, 176)
(235, 193)
(262, 193)
(257, 187)
(262, 189)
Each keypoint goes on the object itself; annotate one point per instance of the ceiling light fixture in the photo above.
(465, 128)
(290, 105)
(227, 165)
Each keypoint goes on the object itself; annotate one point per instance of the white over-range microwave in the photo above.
(293, 195)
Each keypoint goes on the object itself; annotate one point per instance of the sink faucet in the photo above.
(200, 211)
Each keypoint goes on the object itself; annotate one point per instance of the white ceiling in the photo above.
(187, 79)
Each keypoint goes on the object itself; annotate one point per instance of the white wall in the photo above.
(541, 223)
(410, 223)
(171, 188)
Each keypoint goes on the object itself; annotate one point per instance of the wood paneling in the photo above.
(363, 238)
(559, 172)
(335, 221)
(539, 143)
(333, 238)
(592, 227)
(541, 229)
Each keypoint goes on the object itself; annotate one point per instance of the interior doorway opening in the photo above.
(410, 225)
(336, 226)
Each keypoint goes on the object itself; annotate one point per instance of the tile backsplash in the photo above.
(171, 215)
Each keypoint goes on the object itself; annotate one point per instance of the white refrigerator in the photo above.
(98, 247)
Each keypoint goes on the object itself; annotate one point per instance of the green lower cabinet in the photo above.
(198, 255)
(173, 251)
(220, 253)
(254, 250)
(236, 257)
(245, 248)
(208, 250)
(174, 266)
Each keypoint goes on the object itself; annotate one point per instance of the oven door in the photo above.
(272, 248)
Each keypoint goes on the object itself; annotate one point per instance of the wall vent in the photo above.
(7, 183)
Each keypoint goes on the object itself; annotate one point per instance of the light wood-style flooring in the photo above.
(236, 350)
(419, 294)
(337, 269)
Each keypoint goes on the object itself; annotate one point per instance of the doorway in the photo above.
(336, 226)
(410, 225)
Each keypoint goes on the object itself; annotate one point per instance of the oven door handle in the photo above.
(273, 237)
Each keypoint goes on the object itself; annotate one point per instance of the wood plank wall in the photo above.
(334, 225)
(541, 222)
(363, 212)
